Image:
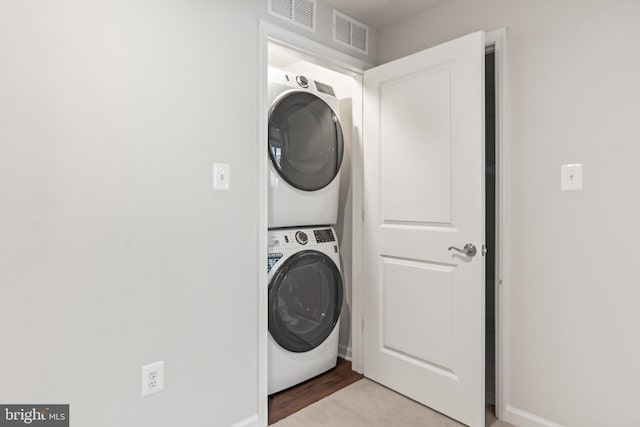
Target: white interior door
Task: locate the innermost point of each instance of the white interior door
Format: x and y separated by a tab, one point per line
424	192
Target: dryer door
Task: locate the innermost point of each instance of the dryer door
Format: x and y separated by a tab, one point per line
305	141
305	299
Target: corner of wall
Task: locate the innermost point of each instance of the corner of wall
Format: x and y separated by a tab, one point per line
344	351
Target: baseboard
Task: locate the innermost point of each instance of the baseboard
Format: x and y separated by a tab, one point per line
344	352
251	421
524	419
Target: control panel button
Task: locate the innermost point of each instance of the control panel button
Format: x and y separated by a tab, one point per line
302	81
302	237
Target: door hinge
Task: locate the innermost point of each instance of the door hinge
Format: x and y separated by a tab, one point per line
484	250
362	215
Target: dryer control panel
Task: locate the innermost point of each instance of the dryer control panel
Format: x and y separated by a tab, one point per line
300	81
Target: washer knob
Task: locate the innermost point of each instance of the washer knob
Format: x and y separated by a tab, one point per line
302	237
302	81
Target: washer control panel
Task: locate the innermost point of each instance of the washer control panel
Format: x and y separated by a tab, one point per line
324	235
283	242
295	238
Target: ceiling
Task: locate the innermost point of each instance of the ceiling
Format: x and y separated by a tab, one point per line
380	13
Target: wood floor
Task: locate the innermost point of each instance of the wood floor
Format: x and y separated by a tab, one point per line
293	399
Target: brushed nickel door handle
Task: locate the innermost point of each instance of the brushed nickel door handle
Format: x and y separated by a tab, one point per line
468	250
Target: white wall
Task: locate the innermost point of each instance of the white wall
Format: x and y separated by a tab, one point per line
574	96
114	250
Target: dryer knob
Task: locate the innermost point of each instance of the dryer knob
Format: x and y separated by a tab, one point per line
302	237
302	81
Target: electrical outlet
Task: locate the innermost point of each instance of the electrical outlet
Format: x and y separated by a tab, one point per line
152	378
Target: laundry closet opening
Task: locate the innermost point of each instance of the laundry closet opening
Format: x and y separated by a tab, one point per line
345	87
309	208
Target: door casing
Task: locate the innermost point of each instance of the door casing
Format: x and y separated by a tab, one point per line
329	58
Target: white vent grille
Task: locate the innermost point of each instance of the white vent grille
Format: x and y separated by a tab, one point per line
297	12
282	8
359	37
347	31
342	30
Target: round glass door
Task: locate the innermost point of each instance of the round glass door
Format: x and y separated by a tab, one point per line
305	141
305	299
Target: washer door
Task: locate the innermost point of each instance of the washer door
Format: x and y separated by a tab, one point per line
305	141
305	299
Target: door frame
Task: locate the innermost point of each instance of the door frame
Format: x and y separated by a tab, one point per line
329	58
333	59
497	41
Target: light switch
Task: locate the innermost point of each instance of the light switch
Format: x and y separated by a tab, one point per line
571	177
221	176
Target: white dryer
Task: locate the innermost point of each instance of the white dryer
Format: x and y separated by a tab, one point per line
305	150
305	300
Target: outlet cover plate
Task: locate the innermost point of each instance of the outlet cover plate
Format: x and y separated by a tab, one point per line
152	378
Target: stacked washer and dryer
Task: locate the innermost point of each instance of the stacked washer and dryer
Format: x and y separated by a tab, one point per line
305	280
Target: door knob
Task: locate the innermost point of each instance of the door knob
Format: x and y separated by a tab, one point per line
468	250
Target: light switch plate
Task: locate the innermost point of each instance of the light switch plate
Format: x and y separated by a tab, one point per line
571	177
221	176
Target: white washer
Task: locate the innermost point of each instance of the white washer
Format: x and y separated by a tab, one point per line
305	300
305	151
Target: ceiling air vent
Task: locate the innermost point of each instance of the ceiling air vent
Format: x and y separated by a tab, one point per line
297	12
347	31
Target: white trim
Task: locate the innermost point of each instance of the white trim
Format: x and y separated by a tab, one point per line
522	418
251	421
313	51
328	58
262	225
497	39
357	188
